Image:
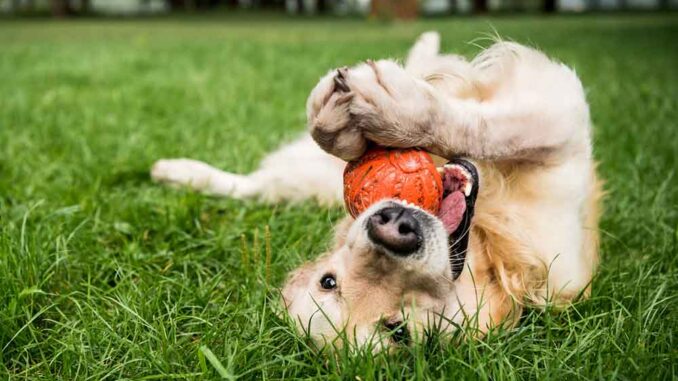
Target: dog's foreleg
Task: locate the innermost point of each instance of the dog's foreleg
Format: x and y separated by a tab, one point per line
511	102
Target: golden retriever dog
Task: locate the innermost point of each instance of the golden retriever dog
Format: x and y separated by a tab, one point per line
519	216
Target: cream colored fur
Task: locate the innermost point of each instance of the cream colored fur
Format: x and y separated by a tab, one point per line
521	117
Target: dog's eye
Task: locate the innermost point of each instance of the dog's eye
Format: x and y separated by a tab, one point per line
328	282
399	332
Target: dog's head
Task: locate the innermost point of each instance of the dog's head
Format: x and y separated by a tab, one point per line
393	273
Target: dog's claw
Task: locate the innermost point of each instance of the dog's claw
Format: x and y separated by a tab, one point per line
340	80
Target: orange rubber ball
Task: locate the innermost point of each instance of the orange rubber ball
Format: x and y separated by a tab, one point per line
405	174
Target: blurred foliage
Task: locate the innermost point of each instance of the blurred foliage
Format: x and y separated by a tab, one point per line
105	275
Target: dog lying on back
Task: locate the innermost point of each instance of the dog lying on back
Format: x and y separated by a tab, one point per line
515	128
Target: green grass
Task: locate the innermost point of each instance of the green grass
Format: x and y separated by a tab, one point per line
104	275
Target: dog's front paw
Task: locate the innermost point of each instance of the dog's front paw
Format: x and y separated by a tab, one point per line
331	119
375	101
182	172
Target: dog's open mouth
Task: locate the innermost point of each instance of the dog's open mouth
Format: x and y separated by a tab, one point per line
460	184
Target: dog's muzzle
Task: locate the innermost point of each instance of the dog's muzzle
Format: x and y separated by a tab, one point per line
399	229
395	228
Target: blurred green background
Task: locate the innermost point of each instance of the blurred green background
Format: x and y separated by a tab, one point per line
104	275
384	9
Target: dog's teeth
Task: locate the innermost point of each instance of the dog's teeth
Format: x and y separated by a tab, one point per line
467	176
467	188
464	172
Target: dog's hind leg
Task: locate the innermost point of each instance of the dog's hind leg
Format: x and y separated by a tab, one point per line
426	63
203	177
422	52
297	171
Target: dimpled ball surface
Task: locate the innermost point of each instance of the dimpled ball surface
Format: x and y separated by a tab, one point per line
405	174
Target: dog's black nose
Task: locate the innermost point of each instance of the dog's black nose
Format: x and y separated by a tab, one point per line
396	229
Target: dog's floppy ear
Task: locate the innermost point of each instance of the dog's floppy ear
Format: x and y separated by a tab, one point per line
340	232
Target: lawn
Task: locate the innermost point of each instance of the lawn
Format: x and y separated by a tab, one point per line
105	275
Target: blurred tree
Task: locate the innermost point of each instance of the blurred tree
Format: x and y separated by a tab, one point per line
549	6
60	8
399	9
453	6
188	5
480	6
322	6
174	5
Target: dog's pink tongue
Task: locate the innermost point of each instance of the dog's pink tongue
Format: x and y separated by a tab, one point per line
452	211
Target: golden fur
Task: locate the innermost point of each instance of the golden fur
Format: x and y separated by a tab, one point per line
521	117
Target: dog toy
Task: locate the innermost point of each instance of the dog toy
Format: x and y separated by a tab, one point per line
405	174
